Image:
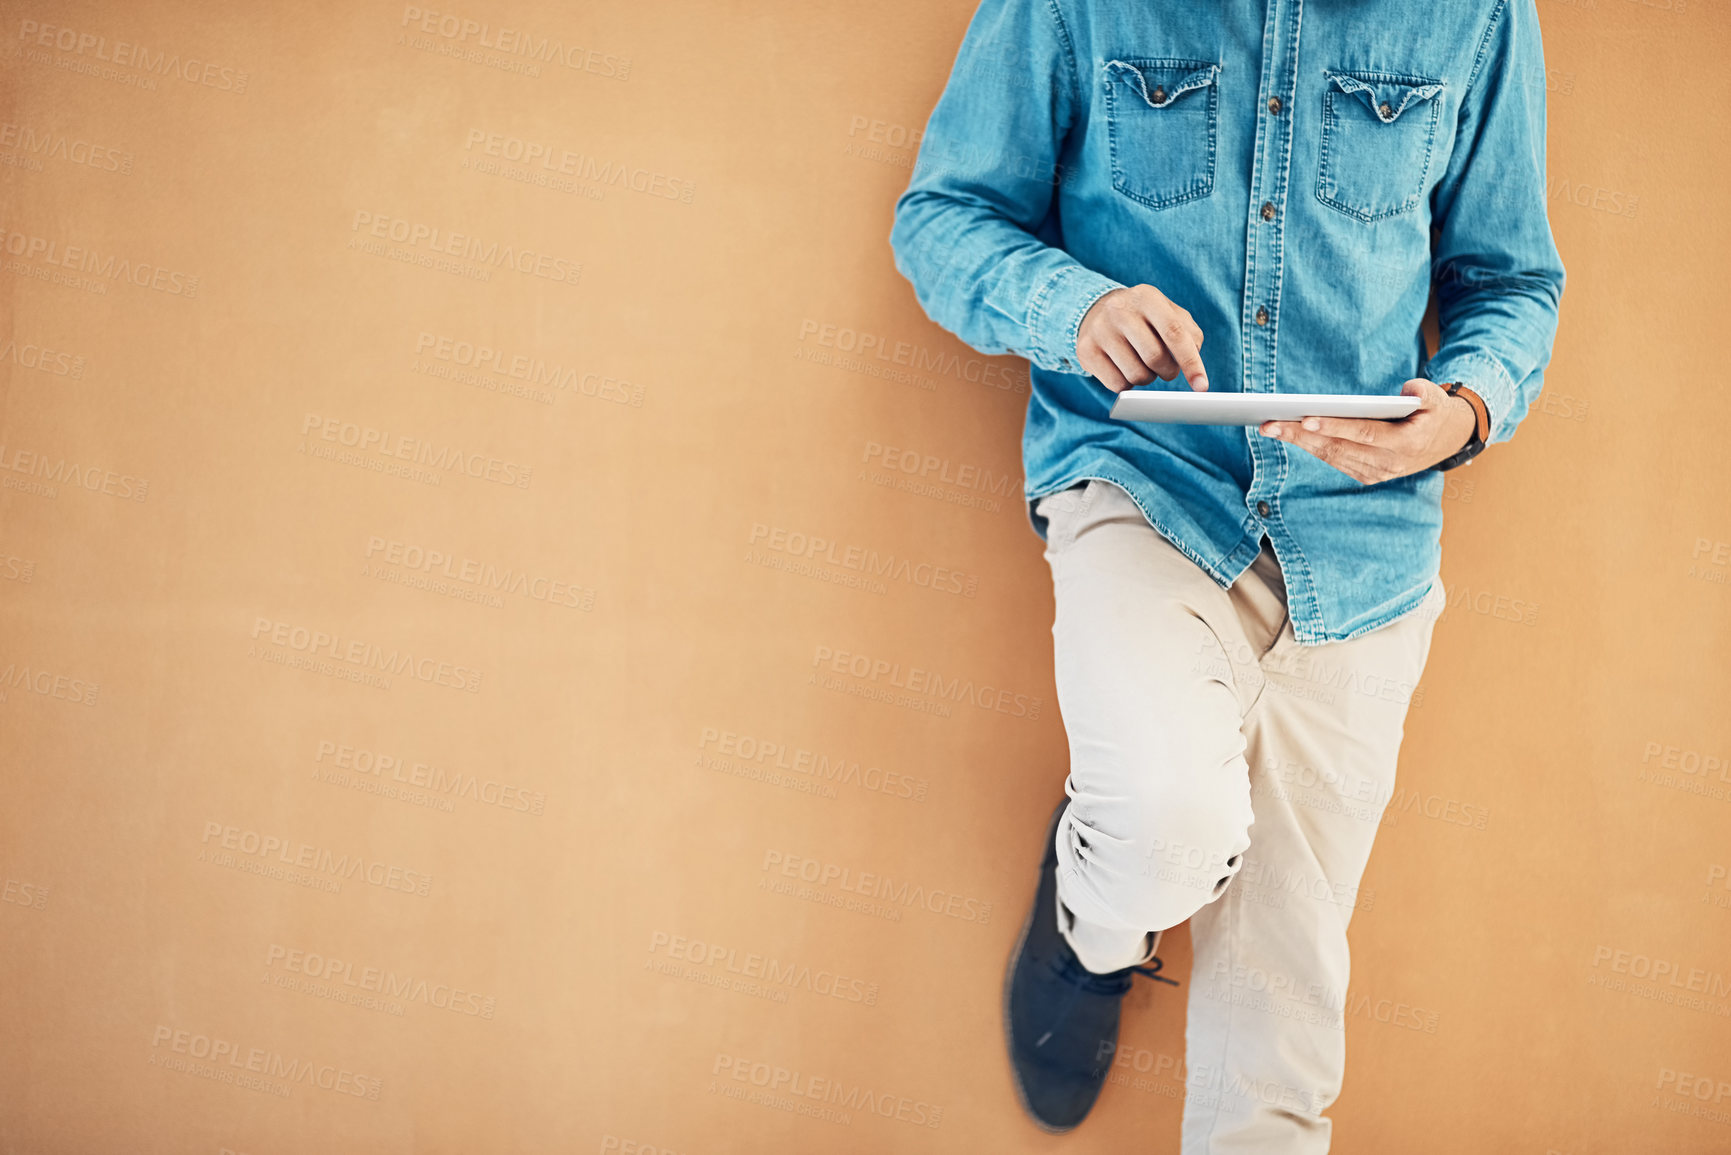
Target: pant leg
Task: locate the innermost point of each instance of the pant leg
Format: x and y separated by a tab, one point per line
1265	1040
1160	808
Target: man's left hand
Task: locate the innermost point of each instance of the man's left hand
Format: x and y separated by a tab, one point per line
1370	451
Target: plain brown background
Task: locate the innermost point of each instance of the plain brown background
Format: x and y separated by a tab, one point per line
169	500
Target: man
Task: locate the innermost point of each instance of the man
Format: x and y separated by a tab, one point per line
1257	198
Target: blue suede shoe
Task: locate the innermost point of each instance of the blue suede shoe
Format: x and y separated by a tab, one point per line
1060	1017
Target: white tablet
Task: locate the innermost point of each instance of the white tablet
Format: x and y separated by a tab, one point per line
1184	407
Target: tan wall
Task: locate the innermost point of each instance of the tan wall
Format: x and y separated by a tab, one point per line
541	809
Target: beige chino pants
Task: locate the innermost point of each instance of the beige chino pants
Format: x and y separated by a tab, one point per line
1224	774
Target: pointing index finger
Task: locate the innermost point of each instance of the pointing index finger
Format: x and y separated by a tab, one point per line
1183	348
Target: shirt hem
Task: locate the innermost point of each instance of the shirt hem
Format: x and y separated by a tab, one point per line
1236	560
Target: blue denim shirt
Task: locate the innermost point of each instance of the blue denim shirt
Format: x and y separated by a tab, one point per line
1299	177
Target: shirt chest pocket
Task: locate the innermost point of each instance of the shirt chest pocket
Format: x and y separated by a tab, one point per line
1160	123
1378	137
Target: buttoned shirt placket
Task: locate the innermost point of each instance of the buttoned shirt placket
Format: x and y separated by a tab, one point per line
1263	254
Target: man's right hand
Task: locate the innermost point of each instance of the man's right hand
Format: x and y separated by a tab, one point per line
1134	335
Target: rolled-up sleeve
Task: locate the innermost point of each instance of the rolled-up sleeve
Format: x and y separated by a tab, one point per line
1495	265
983	184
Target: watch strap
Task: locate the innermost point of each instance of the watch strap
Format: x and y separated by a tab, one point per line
1481	426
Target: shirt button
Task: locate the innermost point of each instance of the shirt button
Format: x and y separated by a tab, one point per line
1262	509
1385	110
1262	314
1160	95
1274	105
1267	210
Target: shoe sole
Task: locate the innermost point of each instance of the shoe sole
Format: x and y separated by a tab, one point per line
1010	974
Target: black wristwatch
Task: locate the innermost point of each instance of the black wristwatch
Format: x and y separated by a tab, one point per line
1481	427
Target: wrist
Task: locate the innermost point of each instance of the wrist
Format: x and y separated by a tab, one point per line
1476	436
1464	423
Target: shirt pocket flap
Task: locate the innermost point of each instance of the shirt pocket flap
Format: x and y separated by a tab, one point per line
1161	82
1386	96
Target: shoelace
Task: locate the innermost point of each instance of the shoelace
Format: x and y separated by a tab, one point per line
1153	972
1070	969
1079	979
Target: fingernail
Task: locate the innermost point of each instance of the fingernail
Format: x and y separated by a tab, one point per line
1311	423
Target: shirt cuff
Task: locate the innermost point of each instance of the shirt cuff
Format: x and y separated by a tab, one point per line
1484	375
1057	312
